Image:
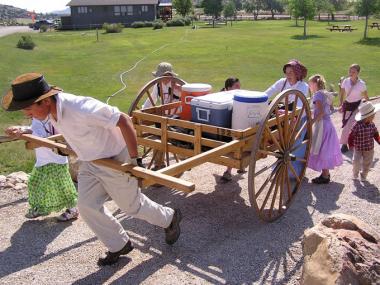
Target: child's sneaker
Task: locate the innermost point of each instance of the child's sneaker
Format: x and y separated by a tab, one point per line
226	177
68	215
363	177
33	214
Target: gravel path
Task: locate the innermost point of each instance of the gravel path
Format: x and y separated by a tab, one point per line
4	31
222	242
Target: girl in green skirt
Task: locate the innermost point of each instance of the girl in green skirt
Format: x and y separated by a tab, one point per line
50	187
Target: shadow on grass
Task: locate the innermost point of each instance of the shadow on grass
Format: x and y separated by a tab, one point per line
370	42
301	37
209	26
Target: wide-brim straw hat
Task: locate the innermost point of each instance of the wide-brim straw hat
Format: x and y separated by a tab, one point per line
164	68
27	89
366	110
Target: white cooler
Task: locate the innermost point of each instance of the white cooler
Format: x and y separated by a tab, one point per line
249	108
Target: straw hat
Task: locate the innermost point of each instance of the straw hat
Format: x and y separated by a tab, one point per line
26	90
164	68
366	110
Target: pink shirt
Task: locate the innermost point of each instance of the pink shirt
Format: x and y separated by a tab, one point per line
356	90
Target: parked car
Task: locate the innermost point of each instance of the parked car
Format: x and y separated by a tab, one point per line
37	25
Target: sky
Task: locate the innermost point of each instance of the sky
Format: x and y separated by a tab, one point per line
41	6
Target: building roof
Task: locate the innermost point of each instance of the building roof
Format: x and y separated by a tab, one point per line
110	2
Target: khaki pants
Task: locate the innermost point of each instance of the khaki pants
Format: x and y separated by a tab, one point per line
97	184
362	161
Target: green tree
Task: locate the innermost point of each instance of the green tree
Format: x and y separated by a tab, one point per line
302	9
338	5
367	8
212	8
274	6
183	7
229	10
323	6
253	6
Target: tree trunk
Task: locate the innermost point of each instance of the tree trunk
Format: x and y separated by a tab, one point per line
304	27
296	21
366	27
272	11
213	22
319	16
332	16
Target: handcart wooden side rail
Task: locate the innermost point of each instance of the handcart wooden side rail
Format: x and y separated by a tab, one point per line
139	172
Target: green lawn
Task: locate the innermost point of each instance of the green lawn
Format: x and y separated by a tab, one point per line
252	51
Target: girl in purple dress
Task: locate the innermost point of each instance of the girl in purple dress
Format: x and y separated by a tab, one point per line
325	151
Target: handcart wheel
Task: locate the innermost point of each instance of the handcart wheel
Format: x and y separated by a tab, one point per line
280	154
151	157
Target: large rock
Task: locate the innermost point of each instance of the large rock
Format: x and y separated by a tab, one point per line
341	250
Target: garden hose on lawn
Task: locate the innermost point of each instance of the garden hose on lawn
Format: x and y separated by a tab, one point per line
137	63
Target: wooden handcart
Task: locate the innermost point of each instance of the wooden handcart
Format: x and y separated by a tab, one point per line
276	150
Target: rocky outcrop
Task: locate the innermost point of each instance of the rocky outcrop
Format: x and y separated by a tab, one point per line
16	181
341	250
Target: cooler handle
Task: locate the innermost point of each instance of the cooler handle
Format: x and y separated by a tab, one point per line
187	101
199	114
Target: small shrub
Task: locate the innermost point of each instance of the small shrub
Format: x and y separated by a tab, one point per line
138	24
43	28
176	22
158	25
26	42
113	28
187	21
148	24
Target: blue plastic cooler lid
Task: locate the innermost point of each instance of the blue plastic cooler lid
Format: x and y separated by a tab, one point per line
246	96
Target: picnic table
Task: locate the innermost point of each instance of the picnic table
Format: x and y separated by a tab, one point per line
343	28
375	25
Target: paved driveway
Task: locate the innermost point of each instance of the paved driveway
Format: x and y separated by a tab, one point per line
4	31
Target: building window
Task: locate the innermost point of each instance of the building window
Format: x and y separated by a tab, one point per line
82	10
116	10
130	10
144	8
120	10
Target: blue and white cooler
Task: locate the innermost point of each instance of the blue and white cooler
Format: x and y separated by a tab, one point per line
249	108
213	109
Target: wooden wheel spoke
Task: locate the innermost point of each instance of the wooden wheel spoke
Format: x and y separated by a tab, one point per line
288	183
175	157
286	122
300	132
294	172
279	178
274	181
150	98
153	158
265	168
280	130
275	141
267	180
271	153
294	110
299	145
281	189
296	125
146	152
161	93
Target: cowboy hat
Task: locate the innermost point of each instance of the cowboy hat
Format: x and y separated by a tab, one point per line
164	68
26	90
366	110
